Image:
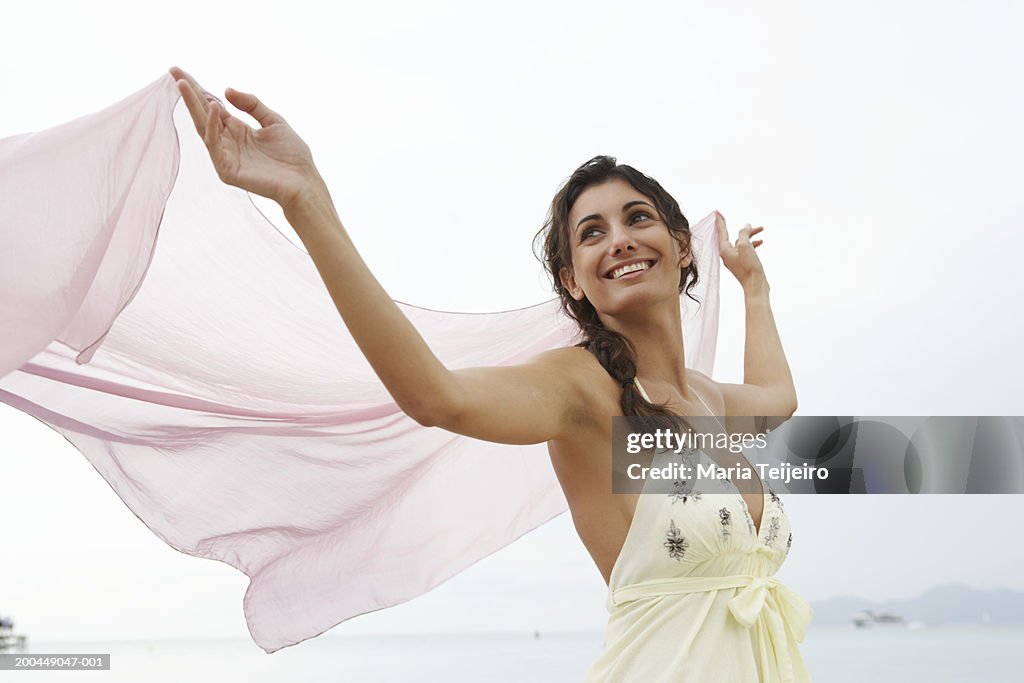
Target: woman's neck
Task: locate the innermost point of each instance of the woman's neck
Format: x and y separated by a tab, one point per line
657	339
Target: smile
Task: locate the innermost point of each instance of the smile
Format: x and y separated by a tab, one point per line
634	267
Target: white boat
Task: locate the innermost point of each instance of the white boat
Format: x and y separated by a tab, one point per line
871	619
9	640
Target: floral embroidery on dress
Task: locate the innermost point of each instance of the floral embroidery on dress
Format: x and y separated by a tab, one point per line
683	491
789	543
776	499
725	518
675	542
773	532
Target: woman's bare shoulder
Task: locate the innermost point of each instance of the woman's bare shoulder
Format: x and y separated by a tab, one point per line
575	361
708	389
565	353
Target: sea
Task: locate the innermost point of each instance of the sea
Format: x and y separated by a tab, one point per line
943	654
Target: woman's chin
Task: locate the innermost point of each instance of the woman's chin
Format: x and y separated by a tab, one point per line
635	300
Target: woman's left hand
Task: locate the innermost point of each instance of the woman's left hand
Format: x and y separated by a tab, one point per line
271	161
741	258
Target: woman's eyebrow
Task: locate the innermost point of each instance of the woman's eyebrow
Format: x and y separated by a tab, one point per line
628	205
625	207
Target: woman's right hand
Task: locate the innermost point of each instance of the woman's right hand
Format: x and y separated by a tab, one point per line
271	161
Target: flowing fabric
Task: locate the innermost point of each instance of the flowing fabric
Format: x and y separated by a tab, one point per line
155	318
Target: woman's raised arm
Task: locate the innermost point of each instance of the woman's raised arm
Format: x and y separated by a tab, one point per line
528	403
767	388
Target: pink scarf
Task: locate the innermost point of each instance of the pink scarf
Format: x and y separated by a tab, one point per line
160	323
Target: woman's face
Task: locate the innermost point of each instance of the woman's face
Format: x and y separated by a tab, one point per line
623	254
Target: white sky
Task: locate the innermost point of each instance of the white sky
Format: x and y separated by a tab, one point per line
878	143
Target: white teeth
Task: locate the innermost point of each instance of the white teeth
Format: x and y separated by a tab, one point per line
631	268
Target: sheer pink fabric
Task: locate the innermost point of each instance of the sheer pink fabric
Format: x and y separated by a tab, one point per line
157	320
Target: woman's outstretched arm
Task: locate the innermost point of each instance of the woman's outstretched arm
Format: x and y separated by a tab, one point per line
518	404
528	403
767	388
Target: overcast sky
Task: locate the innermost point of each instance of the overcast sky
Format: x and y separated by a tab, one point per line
878	143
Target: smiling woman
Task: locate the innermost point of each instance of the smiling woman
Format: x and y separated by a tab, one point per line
352	488
605	219
594	252
684	589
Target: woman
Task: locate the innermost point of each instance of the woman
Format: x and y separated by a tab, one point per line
689	593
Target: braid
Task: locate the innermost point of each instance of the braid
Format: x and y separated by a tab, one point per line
616	355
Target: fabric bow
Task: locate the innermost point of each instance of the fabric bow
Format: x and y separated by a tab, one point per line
748	604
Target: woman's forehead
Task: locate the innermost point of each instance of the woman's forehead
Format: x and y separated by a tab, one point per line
607	198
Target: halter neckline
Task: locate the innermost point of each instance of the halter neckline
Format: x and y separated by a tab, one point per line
640	388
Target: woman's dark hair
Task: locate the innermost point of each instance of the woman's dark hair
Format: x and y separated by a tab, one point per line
612	350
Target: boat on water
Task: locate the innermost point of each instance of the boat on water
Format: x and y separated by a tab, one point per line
871	619
9	640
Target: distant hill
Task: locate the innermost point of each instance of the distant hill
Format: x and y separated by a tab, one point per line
949	604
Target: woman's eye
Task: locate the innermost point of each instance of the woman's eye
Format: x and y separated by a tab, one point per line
588	232
640	213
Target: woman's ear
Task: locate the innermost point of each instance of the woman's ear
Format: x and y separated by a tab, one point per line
685	256
569	282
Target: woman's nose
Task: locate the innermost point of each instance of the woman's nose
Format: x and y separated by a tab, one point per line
621	240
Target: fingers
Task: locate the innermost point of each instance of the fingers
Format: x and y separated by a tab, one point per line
182	77
213	127
192	93
744	236
746	233
252	106
723	232
203	94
